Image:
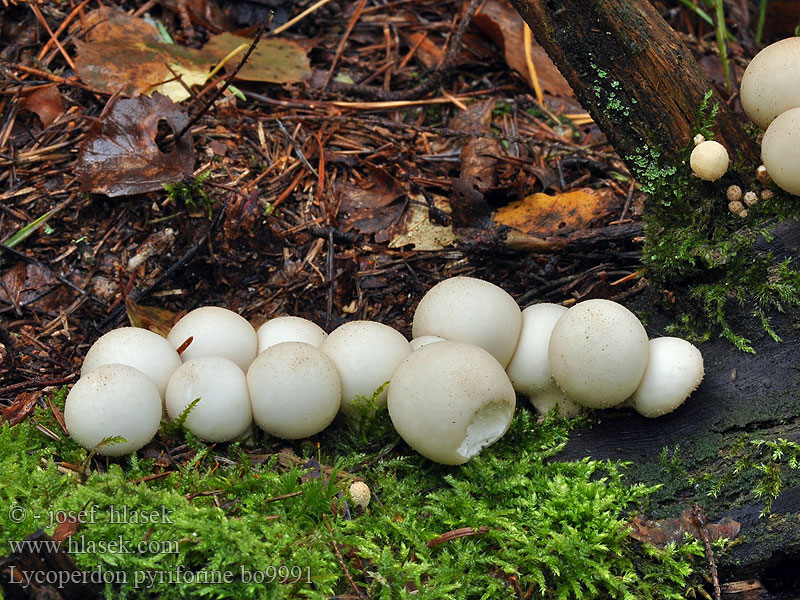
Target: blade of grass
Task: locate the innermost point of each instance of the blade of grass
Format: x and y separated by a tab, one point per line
20	236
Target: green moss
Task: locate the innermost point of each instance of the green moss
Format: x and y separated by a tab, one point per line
233	524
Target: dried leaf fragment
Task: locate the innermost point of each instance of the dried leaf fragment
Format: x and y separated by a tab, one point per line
663	531
120	156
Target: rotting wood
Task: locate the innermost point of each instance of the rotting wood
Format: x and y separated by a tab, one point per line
629	69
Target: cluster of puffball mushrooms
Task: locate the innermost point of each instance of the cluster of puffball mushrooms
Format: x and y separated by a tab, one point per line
770	95
451	389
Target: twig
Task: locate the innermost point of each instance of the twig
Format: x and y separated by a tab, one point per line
699	516
339	556
340	48
299	17
53	37
25	385
458	533
228	80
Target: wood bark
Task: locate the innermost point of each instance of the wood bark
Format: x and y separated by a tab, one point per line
633	74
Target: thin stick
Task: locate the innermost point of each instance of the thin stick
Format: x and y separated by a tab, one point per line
339	556
46	48
340	48
53	37
228	81
527	42
299	17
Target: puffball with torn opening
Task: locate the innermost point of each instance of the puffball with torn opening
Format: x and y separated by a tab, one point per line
215	331
771	83
295	390
289	329
598	353
674	370
366	354
466	309
450	400
779	151
223	411
709	160
139	348
113	400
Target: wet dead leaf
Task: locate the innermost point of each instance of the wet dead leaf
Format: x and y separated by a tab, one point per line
158	320
45	101
504	26
563	213
125	54
418	231
663	531
32	285
274	60
120	156
428	53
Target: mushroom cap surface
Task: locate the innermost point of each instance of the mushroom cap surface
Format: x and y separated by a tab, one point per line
529	369
598	353
295	390
779	151
466	309
113	400
771	82
223	412
215	331
450	400
289	329
709	160
674	370
140	348
366	354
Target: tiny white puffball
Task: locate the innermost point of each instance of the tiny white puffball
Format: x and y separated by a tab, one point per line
295	390
771	82
544	400
424	340
709	160
113	400
466	309
598	353
360	494
139	348
450	400
289	329
223	411
366	354
674	370
529	369
216	332
779	151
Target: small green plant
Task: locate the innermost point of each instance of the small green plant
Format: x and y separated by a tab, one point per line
191	193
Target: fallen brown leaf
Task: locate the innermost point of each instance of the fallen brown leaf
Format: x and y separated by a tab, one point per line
663	531
45	101
560	214
120	156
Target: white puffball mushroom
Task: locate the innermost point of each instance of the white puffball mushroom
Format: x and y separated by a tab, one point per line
598	353
762	175
779	151
295	390
674	370
366	354
709	160
737	208
360	494
529	369
465	309
450	400
424	340
289	329
733	193
113	400
551	397
136	347
215	331
698	139
771	83
223	411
